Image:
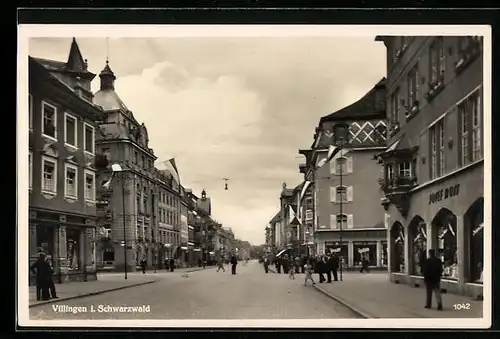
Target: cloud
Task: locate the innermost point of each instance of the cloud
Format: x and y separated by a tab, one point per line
235	108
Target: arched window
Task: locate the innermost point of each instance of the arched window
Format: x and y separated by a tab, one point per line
341	165
341	221
444	227
474	219
397	248
418	244
341	192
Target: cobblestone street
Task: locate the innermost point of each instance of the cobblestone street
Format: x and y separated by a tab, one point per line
208	294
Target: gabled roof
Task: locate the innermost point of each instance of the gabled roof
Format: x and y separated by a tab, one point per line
371	105
276	218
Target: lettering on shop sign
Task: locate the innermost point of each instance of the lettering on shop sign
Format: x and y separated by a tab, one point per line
444	193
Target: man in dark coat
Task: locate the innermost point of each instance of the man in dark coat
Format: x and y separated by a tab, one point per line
321	264
42	272
52	286
144	265
332	266
266	264
172	264
234	262
432	270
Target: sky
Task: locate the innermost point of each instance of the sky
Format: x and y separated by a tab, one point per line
236	108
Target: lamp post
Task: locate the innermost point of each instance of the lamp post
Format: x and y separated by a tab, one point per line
341	133
117	168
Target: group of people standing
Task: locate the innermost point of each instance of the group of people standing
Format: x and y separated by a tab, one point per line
43	271
326	265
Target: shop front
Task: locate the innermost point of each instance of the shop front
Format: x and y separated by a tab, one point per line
368	244
447	216
67	241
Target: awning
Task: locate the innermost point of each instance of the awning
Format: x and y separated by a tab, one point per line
280	253
211	253
184	248
197	250
190	244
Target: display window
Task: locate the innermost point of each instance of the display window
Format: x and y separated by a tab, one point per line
73	248
446	240
365	251
398	248
419	248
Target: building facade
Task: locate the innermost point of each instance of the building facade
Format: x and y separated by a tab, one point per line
342	196
62	180
434	170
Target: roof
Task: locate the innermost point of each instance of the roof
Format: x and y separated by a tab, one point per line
287	192
371	105
109	100
275	218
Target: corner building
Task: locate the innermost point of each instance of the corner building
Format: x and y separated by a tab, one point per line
433	166
62	201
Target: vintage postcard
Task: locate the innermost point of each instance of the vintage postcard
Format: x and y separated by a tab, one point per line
254	176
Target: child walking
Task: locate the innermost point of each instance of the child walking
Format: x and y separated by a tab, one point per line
308	274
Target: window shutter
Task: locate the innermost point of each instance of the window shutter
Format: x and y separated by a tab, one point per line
350	192
349	165
333	194
350	222
333	167
333	221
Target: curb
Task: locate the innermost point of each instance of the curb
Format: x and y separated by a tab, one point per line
343	302
339	300
90	294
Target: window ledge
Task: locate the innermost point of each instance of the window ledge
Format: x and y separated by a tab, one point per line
90	202
412	112
71	199
70	147
49	194
45	136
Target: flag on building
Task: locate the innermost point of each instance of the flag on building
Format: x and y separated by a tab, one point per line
332	151
304	189
107	184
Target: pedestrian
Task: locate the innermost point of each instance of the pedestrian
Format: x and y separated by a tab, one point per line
333	266
291	273
52	286
321	269
364	265
278	265
266	265
144	265
199	262
234	262
308	270
432	270
42	271
172	264
166	265
220	265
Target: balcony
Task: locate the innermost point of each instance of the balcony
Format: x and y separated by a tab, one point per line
397	192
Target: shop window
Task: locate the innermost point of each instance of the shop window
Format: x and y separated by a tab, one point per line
397	246
475	222
418	233
73	248
383	257
108	255
45	239
365	251
341	251
445	233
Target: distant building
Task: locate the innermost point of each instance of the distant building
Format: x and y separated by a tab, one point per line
434	163
62	180
343	196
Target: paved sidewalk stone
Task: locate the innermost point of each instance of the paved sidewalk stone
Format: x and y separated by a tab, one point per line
372	295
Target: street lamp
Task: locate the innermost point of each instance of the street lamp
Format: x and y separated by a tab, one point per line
117	168
341	134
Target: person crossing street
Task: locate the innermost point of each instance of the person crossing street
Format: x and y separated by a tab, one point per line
220	265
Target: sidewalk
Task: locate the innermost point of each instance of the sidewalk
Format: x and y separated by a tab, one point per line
106	282
373	296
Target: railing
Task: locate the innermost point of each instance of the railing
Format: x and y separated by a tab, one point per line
397	182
